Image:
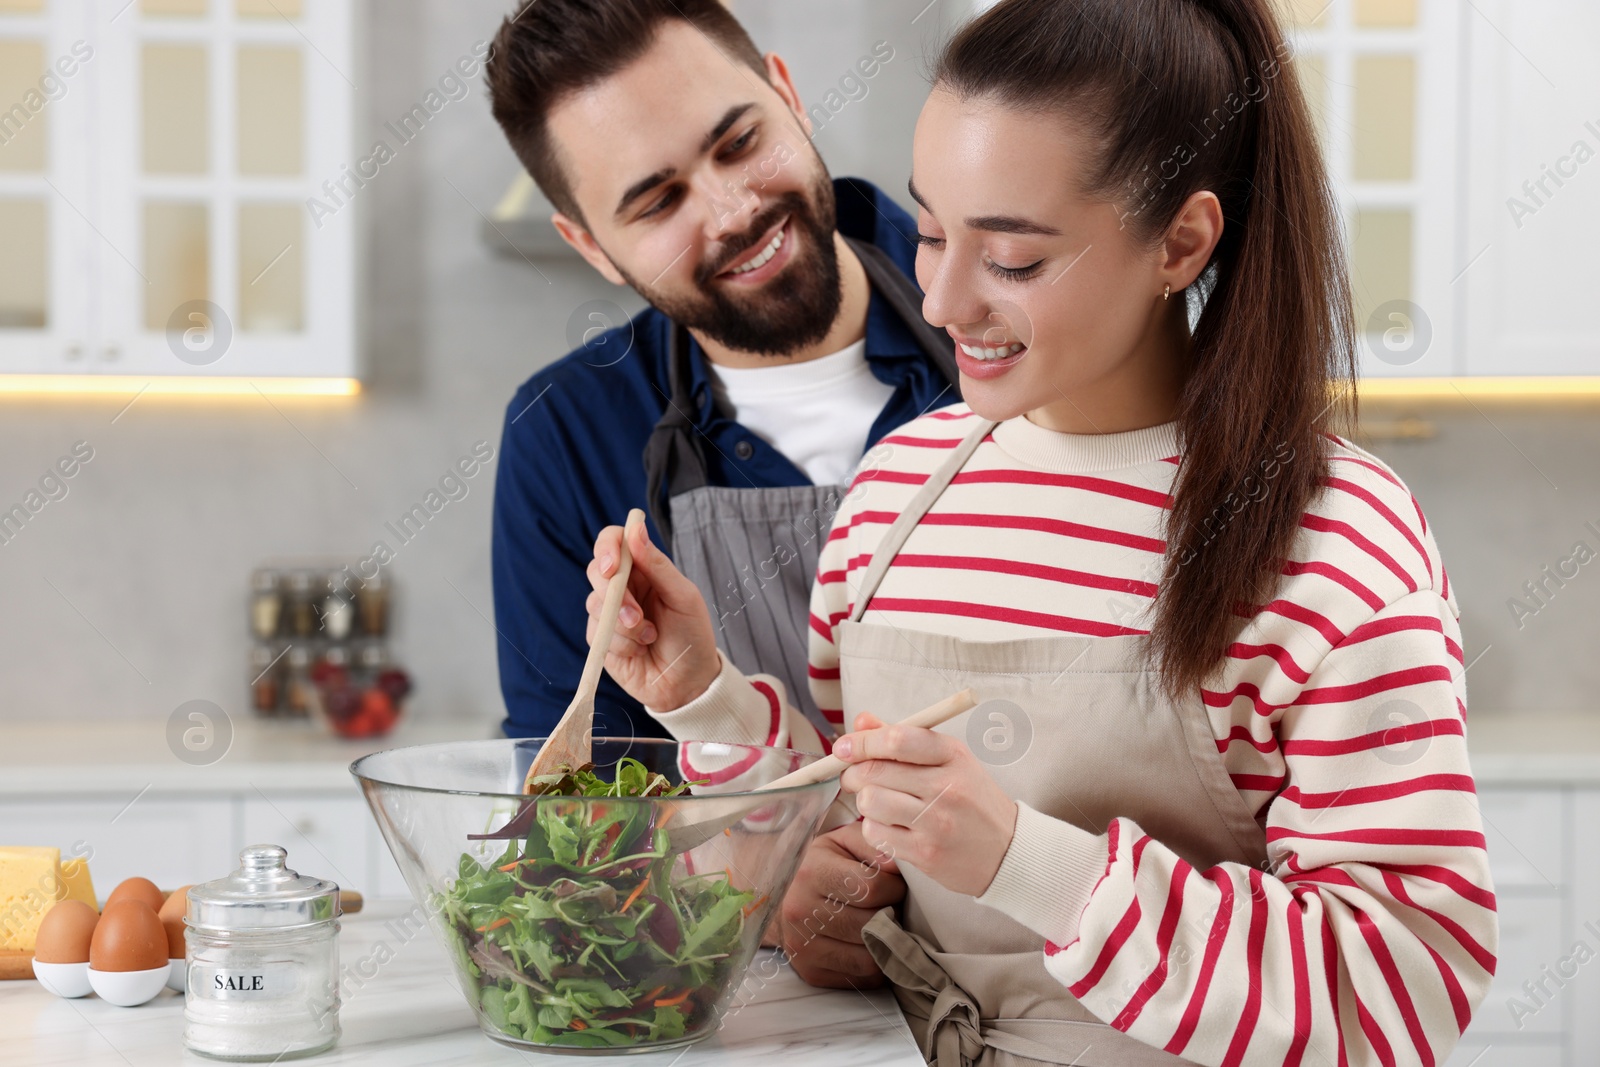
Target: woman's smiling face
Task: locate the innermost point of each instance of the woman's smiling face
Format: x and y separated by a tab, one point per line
1055	306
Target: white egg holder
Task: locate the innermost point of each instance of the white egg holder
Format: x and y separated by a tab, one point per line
126	989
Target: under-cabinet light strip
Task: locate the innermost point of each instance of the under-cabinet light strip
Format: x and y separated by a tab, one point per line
1531	387
1376	388
92	384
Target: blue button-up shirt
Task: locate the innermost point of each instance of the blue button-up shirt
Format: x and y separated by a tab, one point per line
571	462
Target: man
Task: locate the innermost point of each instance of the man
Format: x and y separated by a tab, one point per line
679	163
784	338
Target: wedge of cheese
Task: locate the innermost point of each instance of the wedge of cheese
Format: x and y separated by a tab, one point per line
76	882
32	879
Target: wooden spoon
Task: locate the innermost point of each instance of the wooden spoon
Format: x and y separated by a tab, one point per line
571	743
831	766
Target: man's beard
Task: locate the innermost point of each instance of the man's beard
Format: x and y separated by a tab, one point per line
794	309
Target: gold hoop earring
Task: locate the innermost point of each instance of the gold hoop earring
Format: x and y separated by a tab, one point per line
1166	291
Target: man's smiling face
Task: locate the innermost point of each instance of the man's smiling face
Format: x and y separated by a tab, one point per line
700	188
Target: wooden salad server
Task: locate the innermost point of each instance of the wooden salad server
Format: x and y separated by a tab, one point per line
690	835
831	766
571	743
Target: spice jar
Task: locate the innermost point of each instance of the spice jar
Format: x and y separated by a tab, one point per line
372	601
301	610
262	962
297	686
338	617
266	604
264	685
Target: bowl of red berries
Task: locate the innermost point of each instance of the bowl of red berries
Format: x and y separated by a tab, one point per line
359	703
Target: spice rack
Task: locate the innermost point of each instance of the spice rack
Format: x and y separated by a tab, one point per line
320	646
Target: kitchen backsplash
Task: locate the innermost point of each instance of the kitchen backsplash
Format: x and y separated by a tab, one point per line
1512	493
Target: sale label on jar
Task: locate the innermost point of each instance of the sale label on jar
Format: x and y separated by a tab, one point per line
263	982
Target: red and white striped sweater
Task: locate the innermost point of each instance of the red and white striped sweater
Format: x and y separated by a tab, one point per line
1339	714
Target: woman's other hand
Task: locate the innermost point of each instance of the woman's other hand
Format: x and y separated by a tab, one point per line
926	800
663	652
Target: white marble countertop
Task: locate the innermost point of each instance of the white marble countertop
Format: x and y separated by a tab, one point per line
410	1012
115	756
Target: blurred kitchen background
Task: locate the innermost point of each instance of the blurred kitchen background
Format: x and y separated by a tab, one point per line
186	160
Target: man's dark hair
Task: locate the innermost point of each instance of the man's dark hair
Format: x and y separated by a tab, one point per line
550	49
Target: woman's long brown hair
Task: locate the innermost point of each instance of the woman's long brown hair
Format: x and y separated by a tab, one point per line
1182	96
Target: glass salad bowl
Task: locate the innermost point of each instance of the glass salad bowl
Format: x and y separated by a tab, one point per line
596	923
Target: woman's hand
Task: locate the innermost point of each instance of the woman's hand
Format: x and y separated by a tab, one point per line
663	652
927	801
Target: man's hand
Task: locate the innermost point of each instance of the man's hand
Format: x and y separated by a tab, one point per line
663	652
842	882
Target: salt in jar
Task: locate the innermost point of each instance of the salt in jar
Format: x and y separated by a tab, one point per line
263	962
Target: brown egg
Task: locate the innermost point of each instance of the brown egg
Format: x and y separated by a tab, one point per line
129	937
138	889
171	915
65	933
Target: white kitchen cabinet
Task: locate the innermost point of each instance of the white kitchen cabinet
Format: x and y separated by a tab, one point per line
1584	990
1532	936
326	834
164	196
1520	1054
1463	143
1381	81
181	839
387	881
46	96
1547	886
172	841
1526	830
1532	187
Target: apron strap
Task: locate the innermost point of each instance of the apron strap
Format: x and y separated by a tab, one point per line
931	490
949	1024
906	299
673	462
954	1033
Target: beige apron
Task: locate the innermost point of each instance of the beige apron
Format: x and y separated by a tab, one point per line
1104	742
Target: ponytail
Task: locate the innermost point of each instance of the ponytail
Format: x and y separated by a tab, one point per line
1184	96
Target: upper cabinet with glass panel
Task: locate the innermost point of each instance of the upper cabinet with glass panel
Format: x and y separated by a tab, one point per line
44	104
1531	186
160	193
1379	76
1452	275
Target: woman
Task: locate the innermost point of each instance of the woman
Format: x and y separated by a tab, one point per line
1227	815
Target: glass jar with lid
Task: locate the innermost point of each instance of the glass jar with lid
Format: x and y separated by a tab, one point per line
263	962
301	605
264	688
372	604
266	604
297	682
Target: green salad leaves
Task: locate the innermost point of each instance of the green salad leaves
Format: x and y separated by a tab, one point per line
582	933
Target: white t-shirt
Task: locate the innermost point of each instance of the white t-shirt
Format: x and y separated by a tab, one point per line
817	413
